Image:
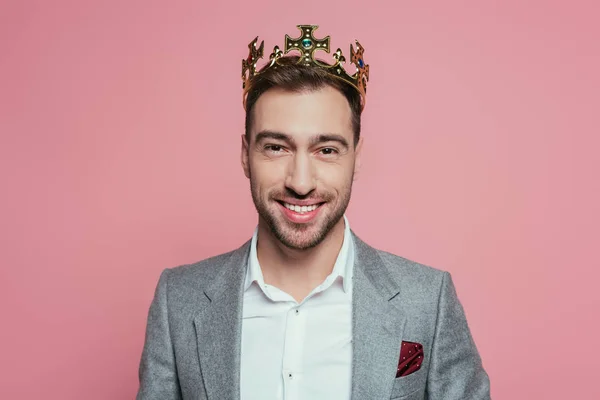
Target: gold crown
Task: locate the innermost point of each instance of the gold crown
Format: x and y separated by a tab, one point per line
307	45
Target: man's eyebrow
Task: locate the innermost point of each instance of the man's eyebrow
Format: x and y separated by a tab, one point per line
262	135
329	137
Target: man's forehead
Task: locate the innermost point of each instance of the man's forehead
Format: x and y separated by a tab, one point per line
303	114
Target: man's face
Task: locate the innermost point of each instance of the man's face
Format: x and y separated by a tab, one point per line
301	161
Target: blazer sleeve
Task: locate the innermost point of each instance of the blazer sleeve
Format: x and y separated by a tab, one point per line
157	371
456	370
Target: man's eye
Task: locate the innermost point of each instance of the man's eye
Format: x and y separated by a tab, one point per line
273	147
328	151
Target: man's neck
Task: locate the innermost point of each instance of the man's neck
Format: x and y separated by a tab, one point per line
297	272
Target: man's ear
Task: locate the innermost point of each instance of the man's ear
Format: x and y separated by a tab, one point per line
358	157
244	157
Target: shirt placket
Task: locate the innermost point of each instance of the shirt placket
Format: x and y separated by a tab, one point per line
293	350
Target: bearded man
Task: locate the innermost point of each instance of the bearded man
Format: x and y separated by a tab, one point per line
305	309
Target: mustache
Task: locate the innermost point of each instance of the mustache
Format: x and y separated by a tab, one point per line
313	195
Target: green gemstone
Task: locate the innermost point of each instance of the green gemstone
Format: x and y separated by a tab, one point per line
307	43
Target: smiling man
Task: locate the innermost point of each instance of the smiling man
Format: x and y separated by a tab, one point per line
305	309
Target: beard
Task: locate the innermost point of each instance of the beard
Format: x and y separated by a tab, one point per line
307	235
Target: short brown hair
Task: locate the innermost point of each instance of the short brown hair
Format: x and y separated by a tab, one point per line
291	76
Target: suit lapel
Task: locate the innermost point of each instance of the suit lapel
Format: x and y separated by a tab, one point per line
218	329
378	324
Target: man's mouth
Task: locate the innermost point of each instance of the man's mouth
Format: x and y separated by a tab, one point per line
301	209
304	211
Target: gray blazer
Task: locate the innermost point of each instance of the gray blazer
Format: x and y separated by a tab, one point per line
193	336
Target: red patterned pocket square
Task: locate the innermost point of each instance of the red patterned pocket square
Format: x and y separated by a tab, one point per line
411	358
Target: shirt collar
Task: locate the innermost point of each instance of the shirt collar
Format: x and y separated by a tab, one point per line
343	267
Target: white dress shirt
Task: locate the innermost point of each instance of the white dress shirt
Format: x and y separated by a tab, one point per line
298	351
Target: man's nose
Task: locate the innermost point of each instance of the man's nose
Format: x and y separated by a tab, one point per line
301	175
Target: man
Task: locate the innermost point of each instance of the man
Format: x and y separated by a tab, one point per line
305	309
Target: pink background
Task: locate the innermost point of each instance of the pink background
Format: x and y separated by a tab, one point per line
119	156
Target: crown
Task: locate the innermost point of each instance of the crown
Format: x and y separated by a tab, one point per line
307	45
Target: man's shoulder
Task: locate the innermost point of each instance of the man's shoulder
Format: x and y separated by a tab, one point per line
417	282
205	269
399	265
413	277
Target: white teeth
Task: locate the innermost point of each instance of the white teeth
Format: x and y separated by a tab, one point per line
300	209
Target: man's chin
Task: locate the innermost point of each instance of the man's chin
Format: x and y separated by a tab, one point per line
299	236
300	244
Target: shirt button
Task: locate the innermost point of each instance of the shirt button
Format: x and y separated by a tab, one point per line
297	311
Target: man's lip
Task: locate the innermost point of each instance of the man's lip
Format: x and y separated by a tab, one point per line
301	203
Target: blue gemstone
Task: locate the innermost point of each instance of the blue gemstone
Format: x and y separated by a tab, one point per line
361	63
307	43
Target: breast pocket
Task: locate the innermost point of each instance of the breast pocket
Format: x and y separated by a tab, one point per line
410	387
